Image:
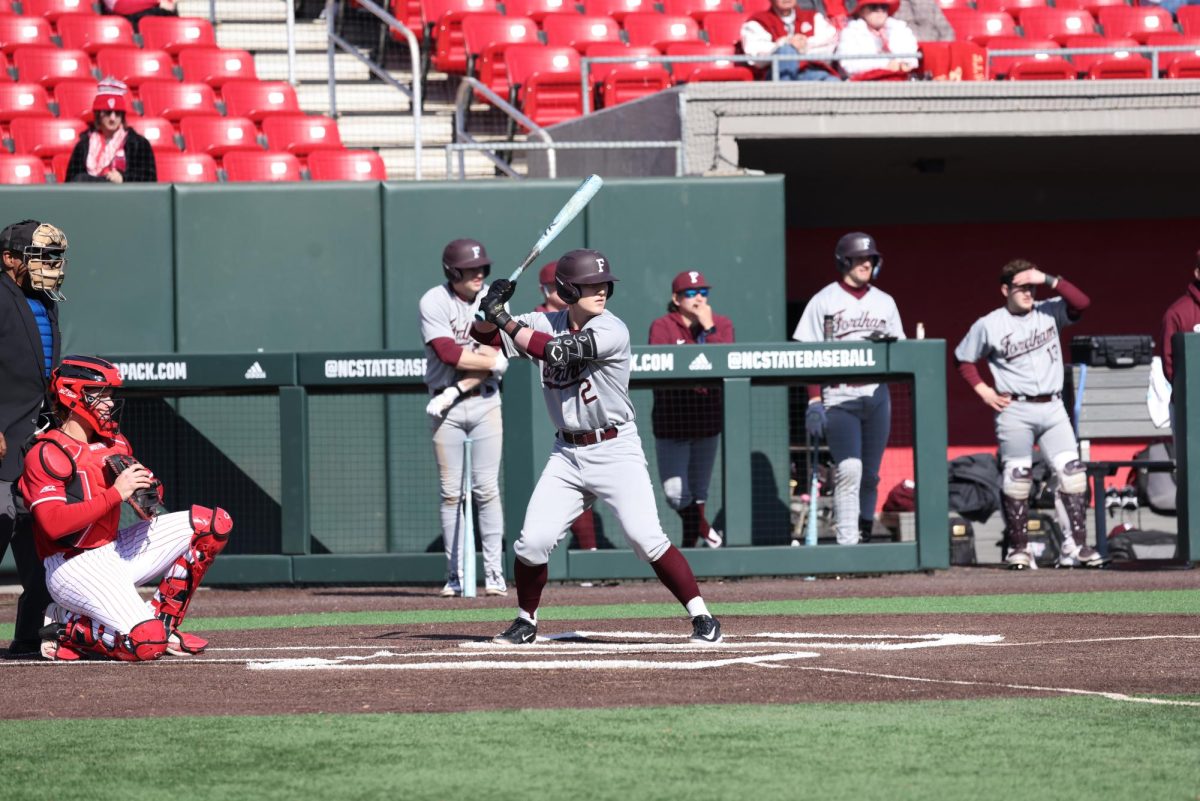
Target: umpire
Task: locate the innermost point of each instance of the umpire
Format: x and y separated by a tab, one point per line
34	259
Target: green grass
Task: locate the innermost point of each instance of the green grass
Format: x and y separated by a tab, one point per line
1163	602
1060	748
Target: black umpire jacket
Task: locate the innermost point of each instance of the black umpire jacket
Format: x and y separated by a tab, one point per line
23	383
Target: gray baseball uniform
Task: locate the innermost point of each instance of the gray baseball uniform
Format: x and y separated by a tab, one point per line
475	416
582	399
859	415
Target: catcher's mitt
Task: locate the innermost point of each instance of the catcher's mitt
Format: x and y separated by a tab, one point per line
144	501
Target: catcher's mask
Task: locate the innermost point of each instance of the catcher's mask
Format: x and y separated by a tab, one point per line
42	248
84	385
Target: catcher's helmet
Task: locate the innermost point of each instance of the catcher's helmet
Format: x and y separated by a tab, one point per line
76	384
579	267
464	254
855	246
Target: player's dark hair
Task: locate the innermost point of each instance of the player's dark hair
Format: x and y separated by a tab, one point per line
1014	268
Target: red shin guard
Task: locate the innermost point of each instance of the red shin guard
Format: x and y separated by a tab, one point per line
531	580
676	574
210	534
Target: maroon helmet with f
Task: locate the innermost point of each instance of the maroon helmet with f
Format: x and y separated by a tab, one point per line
578	268
77	385
464	254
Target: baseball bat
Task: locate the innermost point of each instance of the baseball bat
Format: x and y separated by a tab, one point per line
810	531
468	529
570	210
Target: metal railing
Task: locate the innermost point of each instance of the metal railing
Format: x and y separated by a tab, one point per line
336	42
675	145
1116	50
462	104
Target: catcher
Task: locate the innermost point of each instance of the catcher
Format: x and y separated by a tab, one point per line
76	477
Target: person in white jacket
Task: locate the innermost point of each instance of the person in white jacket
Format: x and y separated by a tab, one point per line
874	31
784	29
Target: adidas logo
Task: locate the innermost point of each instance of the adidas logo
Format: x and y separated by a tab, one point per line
701	362
255	371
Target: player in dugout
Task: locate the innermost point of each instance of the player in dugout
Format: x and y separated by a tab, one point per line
76	477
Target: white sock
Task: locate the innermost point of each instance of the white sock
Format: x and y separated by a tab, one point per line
521	613
696	607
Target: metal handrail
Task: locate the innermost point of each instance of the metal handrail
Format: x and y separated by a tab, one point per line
414	52
462	100
1153	50
291	42
673	144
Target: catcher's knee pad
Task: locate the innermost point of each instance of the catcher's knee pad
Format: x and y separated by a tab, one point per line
1017	481
144	642
1072	474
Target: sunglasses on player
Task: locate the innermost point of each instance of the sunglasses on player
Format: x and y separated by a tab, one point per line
691	293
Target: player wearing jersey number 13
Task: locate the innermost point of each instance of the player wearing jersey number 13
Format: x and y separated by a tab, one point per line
76	477
585	355
1020	342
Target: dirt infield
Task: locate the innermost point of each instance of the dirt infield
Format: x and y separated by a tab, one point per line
603	663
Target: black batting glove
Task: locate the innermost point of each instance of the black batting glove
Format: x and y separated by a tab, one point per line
492	305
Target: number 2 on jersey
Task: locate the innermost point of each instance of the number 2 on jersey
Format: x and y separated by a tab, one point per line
586	392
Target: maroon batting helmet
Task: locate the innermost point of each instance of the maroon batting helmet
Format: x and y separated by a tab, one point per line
577	268
856	246
464	254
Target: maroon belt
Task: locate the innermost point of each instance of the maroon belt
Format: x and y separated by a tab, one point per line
588	437
1037	398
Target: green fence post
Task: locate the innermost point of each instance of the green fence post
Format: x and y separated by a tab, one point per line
1187	447
293	450
736	467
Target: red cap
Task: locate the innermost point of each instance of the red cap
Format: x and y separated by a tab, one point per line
688	279
110	95
546	274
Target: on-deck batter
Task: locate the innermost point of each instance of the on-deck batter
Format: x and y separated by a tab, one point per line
464	384
855	418
1020	341
584	355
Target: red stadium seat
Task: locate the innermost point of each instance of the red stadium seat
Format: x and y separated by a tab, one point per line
1167	59
697	9
74	99
26	100
54	9
449	51
214	66
617	9
948	4
632	82
50	66
659	30
45	137
716	70
217	136
408	12
158	132
547	82
1048	69
1084	62
485	38
185	168
93	33
1056	23
1090	6
980	26
1137	23
259	99
346	165
301	134
21	31
1189	19
578	32
724	27
58	166
244	165
4	74
754	6
1011	7
538	10
174	100
21	169
1186	67
175	33
598	72
1118	67
998	66
134	66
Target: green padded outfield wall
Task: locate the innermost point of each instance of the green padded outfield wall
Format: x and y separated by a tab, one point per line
324	267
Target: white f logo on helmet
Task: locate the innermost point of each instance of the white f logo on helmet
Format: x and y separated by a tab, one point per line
599	265
475	251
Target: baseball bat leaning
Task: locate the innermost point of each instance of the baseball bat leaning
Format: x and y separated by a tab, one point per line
467	578
814	490
570	210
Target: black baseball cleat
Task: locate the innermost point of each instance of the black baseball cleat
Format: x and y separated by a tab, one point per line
521	632
706	629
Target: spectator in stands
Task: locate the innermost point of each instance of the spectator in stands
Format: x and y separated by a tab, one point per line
109	150
926	20
1181	316
874	31
687	421
786	30
134	10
